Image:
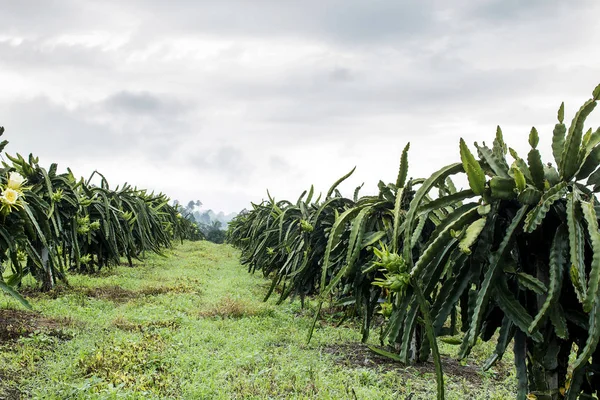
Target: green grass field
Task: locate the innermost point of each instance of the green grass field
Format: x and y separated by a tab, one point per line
192	325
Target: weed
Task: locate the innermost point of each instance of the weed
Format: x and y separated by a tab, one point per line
136	364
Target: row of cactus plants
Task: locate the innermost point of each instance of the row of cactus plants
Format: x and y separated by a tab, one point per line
51	222
514	258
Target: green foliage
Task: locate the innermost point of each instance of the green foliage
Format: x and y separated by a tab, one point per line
402	173
594	272
534	159
51	223
558	137
472	168
213	232
471	235
499	260
132	364
536	216
569	164
217	340
558	263
521	282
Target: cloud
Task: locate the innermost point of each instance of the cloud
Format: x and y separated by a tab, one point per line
279	164
514	11
226	161
140	103
44	127
123	123
222	100
335	20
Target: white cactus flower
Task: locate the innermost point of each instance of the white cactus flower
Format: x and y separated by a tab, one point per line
15	181
10	196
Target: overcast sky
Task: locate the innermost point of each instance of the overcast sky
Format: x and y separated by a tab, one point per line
220	100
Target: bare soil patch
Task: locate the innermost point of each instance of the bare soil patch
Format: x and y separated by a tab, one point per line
118	294
358	355
112	293
229	307
9	393
16	323
125	325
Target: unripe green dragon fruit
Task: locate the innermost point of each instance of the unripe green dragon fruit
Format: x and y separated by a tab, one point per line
95	225
398	283
392	262
386	309
57	196
306	226
83	225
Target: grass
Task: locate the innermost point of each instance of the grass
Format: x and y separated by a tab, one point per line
192	325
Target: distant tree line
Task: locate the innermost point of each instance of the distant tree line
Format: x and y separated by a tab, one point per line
212	225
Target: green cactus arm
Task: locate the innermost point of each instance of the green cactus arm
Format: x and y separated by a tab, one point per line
536	167
338	182
372	238
570	155
593	336
356	234
445	201
14	294
471	235
396	323
301	197
408	331
403	171
530	195
471	297
357	191
535	217
499	146
384	353
590	162
494	159
514	310
588	142
487	285
557	317
530	282
471	166
324	206
411	215
576	245
558	140
519	162
520	353
419	229
589	215
558	263
281	218
334	238
442	237
505	335
577	379
311	192
397	209
503	188
519	177
594	179
450	185
424	306
450	293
